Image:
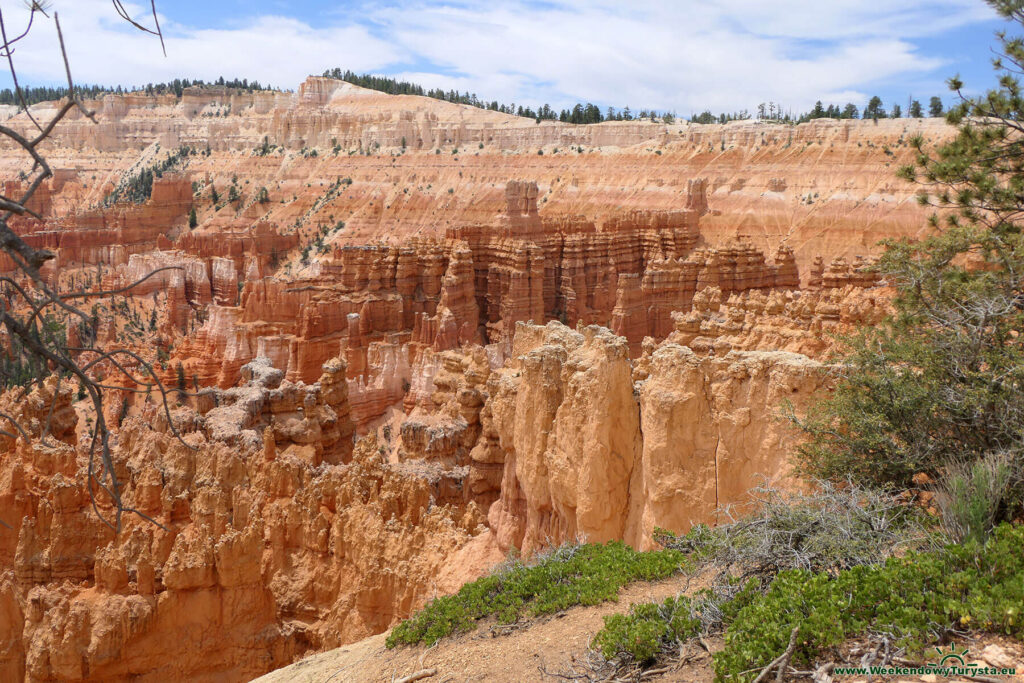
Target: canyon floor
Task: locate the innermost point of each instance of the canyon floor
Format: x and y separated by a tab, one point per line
411	337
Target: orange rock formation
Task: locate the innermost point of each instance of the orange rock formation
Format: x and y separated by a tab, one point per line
259	553
825	186
366	264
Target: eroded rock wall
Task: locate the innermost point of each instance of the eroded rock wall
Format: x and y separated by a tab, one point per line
588	453
257	553
826	186
712	431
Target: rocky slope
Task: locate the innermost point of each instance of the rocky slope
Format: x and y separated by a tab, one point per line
419	166
416	336
255	553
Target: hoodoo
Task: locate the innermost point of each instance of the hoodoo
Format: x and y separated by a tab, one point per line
359	349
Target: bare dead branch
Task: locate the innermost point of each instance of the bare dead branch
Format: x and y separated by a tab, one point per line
782	661
122	290
67	70
127	17
24	305
17	426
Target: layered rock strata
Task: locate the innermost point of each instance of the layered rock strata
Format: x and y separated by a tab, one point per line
258	551
826	186
630	273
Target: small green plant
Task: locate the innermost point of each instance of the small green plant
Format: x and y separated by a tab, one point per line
971	495
264	149
915	597
641	634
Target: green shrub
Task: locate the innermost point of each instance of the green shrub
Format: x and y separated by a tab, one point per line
941	378
568	576
643	632
913	598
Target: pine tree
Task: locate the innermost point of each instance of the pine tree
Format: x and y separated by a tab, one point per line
897	112
935	107
193	220
915	110
940	381
849	111
874	109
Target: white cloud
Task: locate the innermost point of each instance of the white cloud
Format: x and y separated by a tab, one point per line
661	55
851	19
103	49
683	56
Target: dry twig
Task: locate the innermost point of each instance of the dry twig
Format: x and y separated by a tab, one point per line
423	673
36	296
782	661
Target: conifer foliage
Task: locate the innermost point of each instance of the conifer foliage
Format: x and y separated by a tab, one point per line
940	383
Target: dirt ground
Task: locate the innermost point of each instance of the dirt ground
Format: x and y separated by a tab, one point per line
492	654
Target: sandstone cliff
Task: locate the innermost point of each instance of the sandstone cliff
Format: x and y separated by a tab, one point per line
825	186
255	555
411	343
586	452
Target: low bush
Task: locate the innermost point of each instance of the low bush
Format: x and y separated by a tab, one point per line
568	576
915	599
647	628
828	529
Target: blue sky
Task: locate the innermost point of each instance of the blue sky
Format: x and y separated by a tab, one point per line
683	55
